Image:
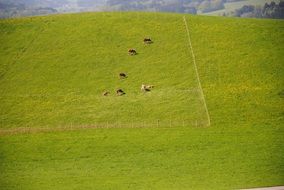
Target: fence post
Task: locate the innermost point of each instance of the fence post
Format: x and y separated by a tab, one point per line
158	123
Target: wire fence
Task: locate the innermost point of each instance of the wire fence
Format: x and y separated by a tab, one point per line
156	124
105	125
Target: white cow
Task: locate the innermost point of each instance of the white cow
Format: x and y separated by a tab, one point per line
146	87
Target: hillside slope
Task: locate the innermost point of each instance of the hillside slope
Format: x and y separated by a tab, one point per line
54	69
64	65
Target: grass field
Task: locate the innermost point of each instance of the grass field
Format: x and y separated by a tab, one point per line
65	69
54	69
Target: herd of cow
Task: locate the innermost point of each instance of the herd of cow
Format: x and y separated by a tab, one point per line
144	88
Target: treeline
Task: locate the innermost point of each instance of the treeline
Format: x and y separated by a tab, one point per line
151	5
181	6
208	6
18	10
269	10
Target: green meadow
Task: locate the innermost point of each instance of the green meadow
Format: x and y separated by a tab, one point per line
65	63
54	69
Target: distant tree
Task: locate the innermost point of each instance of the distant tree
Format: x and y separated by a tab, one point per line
271	10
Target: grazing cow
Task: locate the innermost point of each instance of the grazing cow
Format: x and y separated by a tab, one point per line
120	92
146	88
132	52
143	87
147	41
106	93
122	75
149	86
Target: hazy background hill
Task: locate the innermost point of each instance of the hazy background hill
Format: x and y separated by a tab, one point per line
15	8
239	8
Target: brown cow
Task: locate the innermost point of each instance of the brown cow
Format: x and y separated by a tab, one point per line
120	92
132	52
106	93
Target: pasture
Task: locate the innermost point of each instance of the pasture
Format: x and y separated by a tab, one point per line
54	70
63	70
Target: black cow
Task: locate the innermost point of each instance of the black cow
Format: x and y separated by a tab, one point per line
147	41
122	75
120	92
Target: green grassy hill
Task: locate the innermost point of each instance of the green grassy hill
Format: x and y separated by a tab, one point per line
54	69
64	65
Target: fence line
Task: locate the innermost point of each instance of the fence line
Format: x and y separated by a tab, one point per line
196	70
106	125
